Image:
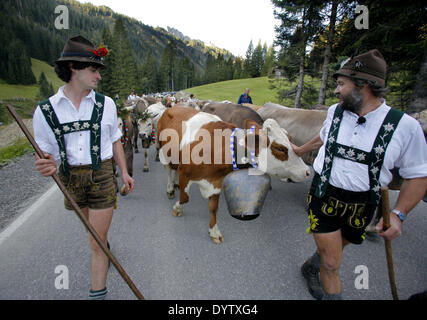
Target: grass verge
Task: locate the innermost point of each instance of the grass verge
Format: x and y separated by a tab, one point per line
20	147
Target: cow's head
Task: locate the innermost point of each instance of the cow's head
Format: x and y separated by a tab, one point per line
145	129
275	154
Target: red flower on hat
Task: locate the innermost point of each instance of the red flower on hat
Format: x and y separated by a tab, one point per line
100	52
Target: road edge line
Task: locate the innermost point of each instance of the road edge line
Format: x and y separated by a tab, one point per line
6	233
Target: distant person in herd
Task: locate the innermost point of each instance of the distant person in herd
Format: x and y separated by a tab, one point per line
132	95
361	141
245	97
78	127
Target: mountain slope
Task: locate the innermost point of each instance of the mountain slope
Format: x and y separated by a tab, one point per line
8	91
33	23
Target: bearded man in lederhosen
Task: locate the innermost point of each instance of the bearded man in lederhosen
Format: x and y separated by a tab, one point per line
78	128
361	141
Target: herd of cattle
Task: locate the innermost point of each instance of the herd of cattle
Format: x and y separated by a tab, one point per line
263	131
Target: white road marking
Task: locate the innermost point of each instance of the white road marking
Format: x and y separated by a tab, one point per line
37	206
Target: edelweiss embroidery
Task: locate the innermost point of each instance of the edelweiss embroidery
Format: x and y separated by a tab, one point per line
93	125
373	159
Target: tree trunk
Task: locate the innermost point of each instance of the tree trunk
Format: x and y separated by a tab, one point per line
301	79
300	85
418	100
20	9
325	68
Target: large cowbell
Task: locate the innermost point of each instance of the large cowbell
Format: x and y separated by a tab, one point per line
245	193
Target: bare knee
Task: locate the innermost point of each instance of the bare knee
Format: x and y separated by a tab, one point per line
330	262
95	248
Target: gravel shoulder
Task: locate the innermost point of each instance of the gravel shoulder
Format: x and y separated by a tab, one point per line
20	183
20	186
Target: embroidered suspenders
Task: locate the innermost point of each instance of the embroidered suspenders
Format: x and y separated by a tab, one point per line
374	159
60	129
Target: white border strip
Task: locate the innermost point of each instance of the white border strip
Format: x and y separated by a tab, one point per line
5	234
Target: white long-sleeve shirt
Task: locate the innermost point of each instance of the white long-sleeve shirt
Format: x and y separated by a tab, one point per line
407	149
77	143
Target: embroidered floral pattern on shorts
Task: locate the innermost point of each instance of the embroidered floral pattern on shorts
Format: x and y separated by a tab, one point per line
313	222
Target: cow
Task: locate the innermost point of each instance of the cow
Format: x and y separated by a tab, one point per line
233	113
252	106
140	105
169	101
202	103
147	124
183	131
151	100
302	125
126	126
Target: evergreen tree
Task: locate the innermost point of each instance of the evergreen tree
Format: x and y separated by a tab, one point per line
229	65
247	66
149	72
18	70
122	60
257	61
398	31
167	66
238	68
45	88
210	70
300	23
163	74
270	61
106	85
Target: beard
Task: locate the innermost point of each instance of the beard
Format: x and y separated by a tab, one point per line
353	101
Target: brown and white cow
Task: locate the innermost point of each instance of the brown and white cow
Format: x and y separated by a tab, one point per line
126	126
147	125
197	144
140	105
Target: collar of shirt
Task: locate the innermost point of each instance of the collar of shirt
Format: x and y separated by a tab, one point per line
370	115
362	136
65	109
56	99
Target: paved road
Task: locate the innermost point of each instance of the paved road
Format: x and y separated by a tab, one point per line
174	258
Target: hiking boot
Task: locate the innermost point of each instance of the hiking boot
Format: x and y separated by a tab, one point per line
311	273
333	296
422	296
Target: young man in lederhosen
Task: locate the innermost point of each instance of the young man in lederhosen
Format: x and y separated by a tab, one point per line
78	128
361	141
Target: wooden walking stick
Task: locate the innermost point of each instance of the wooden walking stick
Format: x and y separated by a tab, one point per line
77	208
385	210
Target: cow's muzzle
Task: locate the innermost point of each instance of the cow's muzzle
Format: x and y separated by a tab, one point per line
146	140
